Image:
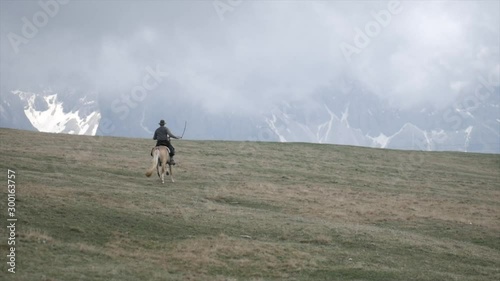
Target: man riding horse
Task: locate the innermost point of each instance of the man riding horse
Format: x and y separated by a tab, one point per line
162	136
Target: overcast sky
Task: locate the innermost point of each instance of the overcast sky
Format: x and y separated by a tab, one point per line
237	54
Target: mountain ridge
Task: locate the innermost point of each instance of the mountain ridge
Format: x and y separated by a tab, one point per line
350	116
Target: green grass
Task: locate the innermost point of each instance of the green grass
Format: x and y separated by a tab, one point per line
248	211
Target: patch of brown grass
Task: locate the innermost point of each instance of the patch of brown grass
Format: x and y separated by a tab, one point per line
340	203
239	253
35	235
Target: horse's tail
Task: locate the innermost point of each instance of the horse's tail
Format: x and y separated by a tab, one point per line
156	155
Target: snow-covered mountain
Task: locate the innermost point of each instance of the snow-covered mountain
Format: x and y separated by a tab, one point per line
47	112
356	117
346	115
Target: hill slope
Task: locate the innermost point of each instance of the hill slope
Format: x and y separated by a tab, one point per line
248	211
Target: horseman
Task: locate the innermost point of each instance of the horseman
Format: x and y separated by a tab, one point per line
162	136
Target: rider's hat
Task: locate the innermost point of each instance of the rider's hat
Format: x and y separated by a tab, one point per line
162	122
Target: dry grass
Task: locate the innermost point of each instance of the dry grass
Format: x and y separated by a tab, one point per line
250	211
35	235
227	253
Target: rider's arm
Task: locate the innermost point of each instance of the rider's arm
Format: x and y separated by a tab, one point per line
171	135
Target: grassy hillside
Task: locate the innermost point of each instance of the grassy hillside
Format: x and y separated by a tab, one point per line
248	211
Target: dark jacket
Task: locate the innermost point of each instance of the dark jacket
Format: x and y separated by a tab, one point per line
163	134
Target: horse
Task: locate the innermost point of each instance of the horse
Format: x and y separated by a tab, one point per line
161	158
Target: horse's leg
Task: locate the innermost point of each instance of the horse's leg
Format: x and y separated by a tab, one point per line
163	167
162	171
162	174
171	174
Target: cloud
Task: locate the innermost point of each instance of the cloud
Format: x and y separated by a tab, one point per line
428	48
262	52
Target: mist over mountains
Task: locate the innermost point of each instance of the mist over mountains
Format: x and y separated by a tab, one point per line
342	113
421	75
